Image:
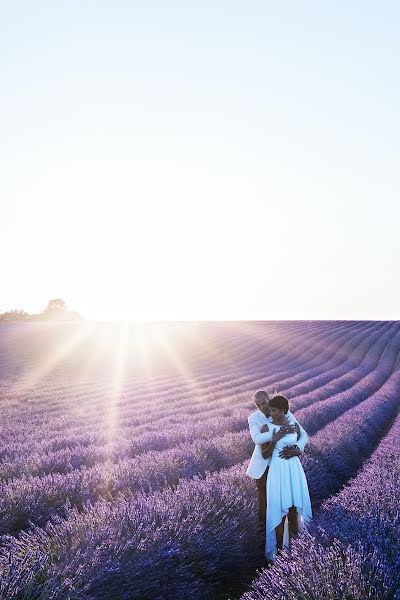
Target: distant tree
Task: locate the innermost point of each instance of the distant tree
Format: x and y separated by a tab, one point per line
56	306
14	315
57	310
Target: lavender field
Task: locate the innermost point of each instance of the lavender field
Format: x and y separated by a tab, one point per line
123	452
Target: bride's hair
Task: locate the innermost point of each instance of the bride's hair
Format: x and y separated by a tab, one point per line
280	402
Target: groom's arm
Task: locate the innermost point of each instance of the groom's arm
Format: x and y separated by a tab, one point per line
256	435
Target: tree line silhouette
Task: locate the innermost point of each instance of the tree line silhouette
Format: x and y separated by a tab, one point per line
56	310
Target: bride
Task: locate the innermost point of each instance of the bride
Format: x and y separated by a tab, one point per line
288	499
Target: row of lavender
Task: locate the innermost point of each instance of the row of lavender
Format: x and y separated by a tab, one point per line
35	499
199	540
33	348
84	445
90	447
132	419
49	399
151	391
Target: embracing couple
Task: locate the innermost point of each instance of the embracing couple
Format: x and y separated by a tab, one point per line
284	505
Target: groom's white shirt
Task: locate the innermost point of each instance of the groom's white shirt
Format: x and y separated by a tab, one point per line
256	420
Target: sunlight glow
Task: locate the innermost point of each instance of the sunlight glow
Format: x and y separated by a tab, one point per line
120	346
55	358
102	342
168	347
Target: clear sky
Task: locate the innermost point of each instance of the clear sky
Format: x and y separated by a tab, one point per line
201	160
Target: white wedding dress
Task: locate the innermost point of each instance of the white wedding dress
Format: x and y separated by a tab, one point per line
286	487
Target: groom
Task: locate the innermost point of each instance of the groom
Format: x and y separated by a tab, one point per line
262	437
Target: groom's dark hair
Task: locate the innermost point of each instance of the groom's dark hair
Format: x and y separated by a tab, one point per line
280	402
260	395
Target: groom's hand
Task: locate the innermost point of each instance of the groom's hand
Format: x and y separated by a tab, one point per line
289	451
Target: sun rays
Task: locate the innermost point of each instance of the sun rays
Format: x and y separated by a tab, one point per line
111	409
167	346
102	336
121	356
67	347
125	350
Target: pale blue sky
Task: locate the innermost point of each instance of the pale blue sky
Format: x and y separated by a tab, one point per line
201	160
